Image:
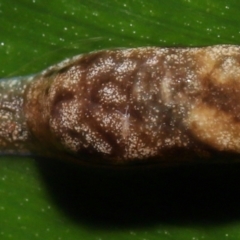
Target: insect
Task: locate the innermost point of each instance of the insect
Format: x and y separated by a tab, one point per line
181	105
125	122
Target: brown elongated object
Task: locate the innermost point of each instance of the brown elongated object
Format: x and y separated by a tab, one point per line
141	105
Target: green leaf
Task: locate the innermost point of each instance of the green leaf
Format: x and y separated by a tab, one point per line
42	199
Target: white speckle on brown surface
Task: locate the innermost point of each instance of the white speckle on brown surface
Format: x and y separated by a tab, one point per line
143	104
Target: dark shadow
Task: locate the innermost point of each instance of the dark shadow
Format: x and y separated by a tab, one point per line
105	197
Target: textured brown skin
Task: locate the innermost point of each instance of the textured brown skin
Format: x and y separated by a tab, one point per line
143	104
137	105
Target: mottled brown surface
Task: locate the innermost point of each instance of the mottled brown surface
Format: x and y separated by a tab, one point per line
166	104
14	134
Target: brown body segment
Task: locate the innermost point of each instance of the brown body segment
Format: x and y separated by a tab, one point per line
136	105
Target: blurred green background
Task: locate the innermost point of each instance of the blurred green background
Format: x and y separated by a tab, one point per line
41	199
